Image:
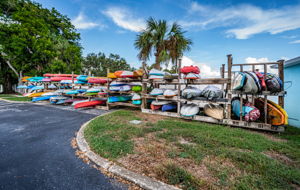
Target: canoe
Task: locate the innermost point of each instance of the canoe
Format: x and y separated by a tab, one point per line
275	116
286	119
190	69
214	111
169	107
238	81
189	110
36	94
89	103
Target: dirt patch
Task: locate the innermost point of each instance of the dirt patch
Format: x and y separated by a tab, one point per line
186	142
150	117
280	157
224	169
152	153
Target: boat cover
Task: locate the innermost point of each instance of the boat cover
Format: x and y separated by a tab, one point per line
212	92
190	92
189	110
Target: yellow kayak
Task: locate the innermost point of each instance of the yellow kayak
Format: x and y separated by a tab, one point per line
36	94
282	111
24	79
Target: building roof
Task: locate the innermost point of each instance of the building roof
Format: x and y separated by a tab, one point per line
292	62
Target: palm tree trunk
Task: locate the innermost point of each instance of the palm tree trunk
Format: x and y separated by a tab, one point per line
157	63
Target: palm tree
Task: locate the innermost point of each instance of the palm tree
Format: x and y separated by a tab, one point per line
164	43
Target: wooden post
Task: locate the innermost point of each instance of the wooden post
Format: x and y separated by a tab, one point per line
144	87
265	97
72	80
107	86
179	86
229	65
281	76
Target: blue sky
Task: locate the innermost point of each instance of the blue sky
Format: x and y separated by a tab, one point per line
250	30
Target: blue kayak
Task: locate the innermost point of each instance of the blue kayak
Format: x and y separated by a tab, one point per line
41	98
169	107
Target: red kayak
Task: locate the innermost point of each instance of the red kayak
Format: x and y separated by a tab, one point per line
190	69
89	104
56	79
58	75
97	80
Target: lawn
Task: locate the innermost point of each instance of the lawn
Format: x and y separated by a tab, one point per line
14	97
195	155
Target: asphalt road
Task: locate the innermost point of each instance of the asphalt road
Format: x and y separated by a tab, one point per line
35	151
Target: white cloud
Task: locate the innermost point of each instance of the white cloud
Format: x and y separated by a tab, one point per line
80	22
295	42
261	67
205	70
124	19
245	20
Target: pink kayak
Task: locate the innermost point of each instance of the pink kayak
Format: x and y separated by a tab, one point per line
95	80
57	79
58	75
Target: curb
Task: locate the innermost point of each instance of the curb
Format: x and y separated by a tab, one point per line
11	101
138	179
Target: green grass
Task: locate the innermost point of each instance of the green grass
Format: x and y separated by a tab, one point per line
13	97
250	168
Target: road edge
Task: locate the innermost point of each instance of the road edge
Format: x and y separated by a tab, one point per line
138	179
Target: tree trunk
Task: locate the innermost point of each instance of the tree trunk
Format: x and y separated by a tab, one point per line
157	63
7	85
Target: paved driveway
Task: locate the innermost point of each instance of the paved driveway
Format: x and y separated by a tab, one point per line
35	151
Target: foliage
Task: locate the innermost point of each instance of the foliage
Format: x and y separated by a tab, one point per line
35	40
166	43
98	64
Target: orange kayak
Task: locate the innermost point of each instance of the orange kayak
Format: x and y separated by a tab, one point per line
275	116
37	94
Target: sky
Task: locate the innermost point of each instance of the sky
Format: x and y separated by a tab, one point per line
252	31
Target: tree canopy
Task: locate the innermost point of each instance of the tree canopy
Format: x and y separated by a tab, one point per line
166	43
35	40
97	64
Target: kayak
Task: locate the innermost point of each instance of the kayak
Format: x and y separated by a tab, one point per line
214	111
35	79
58	75
286	119
97	80
36	94
239	80
46	80
73	100
89	103
112	99
58	79
189	110
155	107
169	107
192	76
190	69
82	78
41	98
127	74
275	116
